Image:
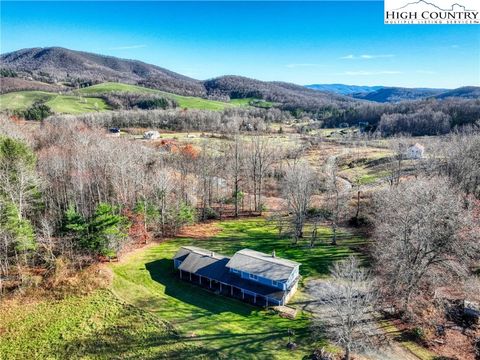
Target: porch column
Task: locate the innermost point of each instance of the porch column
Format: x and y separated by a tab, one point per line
220	287
254	298
210	283
231	290
190	276
200	279
243	295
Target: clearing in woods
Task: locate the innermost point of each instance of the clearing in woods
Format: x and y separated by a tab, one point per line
148	313
223	327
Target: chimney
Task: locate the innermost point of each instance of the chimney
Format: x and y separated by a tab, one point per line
273	253
212	254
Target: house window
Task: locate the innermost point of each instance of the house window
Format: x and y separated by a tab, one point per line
253	277
235	271
274	283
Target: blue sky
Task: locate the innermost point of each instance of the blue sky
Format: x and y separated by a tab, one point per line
300	42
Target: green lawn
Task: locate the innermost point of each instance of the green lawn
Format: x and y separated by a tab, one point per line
189	102
252	102
96	326
228	328
66	104
150	314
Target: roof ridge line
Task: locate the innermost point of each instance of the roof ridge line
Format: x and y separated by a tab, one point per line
260	258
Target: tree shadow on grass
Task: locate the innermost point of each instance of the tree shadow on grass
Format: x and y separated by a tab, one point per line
133	335
162	272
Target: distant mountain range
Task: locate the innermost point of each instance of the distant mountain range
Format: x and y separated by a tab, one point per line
59	67
395	94
344	89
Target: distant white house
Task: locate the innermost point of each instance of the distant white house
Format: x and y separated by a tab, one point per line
415	151
151	135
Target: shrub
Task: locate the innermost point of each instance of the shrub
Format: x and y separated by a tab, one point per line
210	214
38	111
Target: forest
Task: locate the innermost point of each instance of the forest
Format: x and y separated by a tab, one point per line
73	197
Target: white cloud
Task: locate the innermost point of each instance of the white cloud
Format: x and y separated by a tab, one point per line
292	66
369	73
366	56
128	47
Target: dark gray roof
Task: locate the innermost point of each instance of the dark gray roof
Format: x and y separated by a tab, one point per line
214	267
185	250
261	264
204	265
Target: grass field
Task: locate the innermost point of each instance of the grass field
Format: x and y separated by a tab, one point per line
150	314
189	102
96	326
66	104
224	327
72	104
252	102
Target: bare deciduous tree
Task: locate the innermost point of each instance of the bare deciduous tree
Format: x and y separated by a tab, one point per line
350	298
261	156
298	188
338	195
423	237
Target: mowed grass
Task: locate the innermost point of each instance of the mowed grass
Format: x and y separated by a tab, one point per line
189	102
227	328
96	326
65	104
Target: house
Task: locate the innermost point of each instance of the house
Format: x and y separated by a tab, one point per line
415	151
253	276
151	135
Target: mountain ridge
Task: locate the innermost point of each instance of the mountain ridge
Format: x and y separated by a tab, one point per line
64	67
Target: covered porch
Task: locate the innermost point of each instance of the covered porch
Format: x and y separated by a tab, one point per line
256	295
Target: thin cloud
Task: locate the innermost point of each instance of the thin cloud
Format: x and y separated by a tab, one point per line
366	56
128	47
292	66
369	73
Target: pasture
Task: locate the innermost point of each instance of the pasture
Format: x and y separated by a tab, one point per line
65	104
189	102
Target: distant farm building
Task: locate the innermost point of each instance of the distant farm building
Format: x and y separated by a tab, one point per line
249	275
415	151
151	135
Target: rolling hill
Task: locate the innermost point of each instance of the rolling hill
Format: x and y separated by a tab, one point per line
62	66
396	94
72	77
59	103
466	92
55	64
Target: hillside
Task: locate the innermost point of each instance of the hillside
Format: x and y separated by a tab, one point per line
56	64
290	96
396	94
189	102
10	84
65	104
76	69
466	92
